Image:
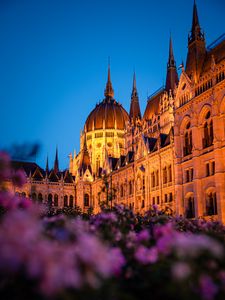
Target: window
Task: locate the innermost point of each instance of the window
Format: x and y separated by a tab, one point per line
157	199
165	197
40	198
187	176
34	196
50	200
169	173
65	201
143	204
171	197
130	187
190	208
86	200
207	131
207	169
153	200
143	184
213	168
157	178
56	202
191	174
153	179
121	191
164	175
187	140
211	204
71	201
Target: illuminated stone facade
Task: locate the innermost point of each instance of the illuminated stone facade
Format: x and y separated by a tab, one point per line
173	156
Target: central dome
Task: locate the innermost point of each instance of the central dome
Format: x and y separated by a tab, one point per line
108	114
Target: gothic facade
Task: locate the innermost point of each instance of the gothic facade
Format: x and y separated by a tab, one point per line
173	156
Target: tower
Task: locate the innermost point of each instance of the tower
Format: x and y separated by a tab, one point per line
196	48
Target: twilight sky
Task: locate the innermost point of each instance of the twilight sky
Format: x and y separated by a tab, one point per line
53	61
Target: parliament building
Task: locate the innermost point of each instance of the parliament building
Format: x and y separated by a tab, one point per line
173	156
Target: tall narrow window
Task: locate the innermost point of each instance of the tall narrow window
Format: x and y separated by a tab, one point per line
190	208
65	201
86	200
56	201
211	204
71	201
188	140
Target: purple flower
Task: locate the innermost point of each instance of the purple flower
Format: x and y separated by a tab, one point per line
208	289
180	270
143	235
145	255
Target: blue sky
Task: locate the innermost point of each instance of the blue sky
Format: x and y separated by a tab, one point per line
54	54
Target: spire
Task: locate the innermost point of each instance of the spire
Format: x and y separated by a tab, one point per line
171	76
47	168
109	90
196	48
85	162
135	112
196	32
56	163
171	61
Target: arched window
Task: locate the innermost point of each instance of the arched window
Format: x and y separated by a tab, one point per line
190	208
40	198
71	201
65	202
34	196
164	175
211	204
207	131
188	140
50	200
86	200
56	201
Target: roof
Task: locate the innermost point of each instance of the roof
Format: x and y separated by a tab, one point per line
219	54
109	114
152	107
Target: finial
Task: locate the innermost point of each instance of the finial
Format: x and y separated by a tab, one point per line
109	90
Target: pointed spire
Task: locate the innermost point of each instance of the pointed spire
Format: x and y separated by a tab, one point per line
171	76
195	21
109	93
56	163
135	112
171	61
47	167
85	162
196	32
196	48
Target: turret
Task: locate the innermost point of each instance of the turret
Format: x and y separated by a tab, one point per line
196	48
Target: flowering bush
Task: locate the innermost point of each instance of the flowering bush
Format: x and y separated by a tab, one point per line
112	255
